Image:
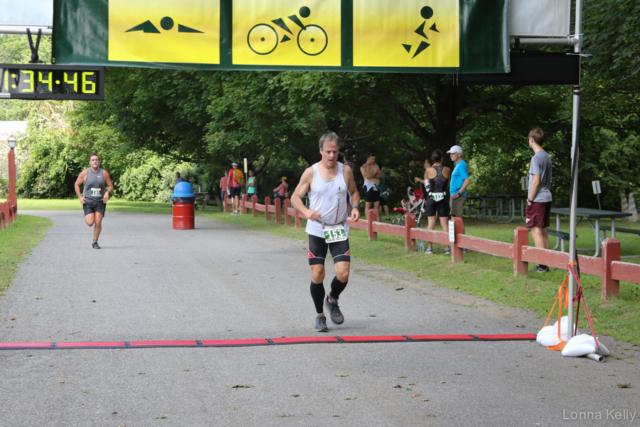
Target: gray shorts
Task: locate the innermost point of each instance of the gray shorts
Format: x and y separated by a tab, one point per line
457	206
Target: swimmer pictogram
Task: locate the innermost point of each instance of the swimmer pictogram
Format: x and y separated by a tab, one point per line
166	24
426	13
312	39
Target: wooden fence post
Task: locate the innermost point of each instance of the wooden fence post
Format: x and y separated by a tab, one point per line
372	216
287	217
254	202
298	219
520	239
7	214
278	204
409	223
1	217
457	253
267	214
245	200
610	253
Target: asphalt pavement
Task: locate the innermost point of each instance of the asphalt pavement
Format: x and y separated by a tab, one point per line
150	282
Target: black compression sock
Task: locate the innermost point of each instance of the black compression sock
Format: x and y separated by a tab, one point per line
337	287
317	293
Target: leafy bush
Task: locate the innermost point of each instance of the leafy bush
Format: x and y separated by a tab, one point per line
4	187
52	166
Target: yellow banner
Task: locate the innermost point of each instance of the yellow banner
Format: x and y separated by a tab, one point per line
286	32
407	33
183	31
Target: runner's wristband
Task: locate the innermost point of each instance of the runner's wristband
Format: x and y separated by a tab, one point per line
355	207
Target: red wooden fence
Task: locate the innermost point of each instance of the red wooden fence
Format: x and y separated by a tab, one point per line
609	267
8	213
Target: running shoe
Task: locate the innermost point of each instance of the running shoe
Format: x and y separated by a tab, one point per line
321	323
540	269
429	251
334	310
447	251
95	245
465	250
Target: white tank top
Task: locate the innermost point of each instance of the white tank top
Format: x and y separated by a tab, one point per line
330	199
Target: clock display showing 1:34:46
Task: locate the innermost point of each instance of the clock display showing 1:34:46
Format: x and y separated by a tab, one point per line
51	82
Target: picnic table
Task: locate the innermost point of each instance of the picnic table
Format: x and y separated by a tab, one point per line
203	198
591	214
500	208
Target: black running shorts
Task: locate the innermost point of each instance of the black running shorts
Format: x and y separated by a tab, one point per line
94	206
234	192
371	196
318	247
442	207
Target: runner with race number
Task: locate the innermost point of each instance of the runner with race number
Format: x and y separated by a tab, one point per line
94	196
328	183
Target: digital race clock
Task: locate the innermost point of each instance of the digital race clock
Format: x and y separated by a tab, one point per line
31	81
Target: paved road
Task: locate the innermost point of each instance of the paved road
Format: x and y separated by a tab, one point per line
150	282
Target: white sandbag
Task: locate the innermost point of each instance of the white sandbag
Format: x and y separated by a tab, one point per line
563	327
548	336
583	344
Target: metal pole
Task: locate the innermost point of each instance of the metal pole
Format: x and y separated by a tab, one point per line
574	173
14	29
12	177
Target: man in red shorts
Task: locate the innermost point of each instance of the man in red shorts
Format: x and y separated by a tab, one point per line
539	196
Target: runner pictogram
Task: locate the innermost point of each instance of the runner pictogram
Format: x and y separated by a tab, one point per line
426	13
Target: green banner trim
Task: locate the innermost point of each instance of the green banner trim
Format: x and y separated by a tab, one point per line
81	34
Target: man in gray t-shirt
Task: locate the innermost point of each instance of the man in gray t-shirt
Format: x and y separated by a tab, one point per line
95	195
539	195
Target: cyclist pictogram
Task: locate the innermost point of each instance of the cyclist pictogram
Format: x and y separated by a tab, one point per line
426	13
312	39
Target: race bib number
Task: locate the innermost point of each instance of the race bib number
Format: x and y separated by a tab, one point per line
437	196
95	192
334	233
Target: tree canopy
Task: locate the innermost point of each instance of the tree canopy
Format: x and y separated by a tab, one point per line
274	119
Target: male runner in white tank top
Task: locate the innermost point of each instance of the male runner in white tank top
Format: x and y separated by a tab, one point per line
327	183
95	195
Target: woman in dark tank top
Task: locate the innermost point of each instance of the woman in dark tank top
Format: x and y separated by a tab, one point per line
437	200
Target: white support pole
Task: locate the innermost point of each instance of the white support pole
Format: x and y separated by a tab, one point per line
14	29
559	41
574	169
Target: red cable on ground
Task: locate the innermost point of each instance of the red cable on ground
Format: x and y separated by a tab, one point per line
261	341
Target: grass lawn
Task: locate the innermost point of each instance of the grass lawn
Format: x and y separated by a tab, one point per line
483	275
16	241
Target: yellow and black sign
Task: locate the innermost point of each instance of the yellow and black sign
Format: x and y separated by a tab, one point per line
287	32
431	36
186	31
407	33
